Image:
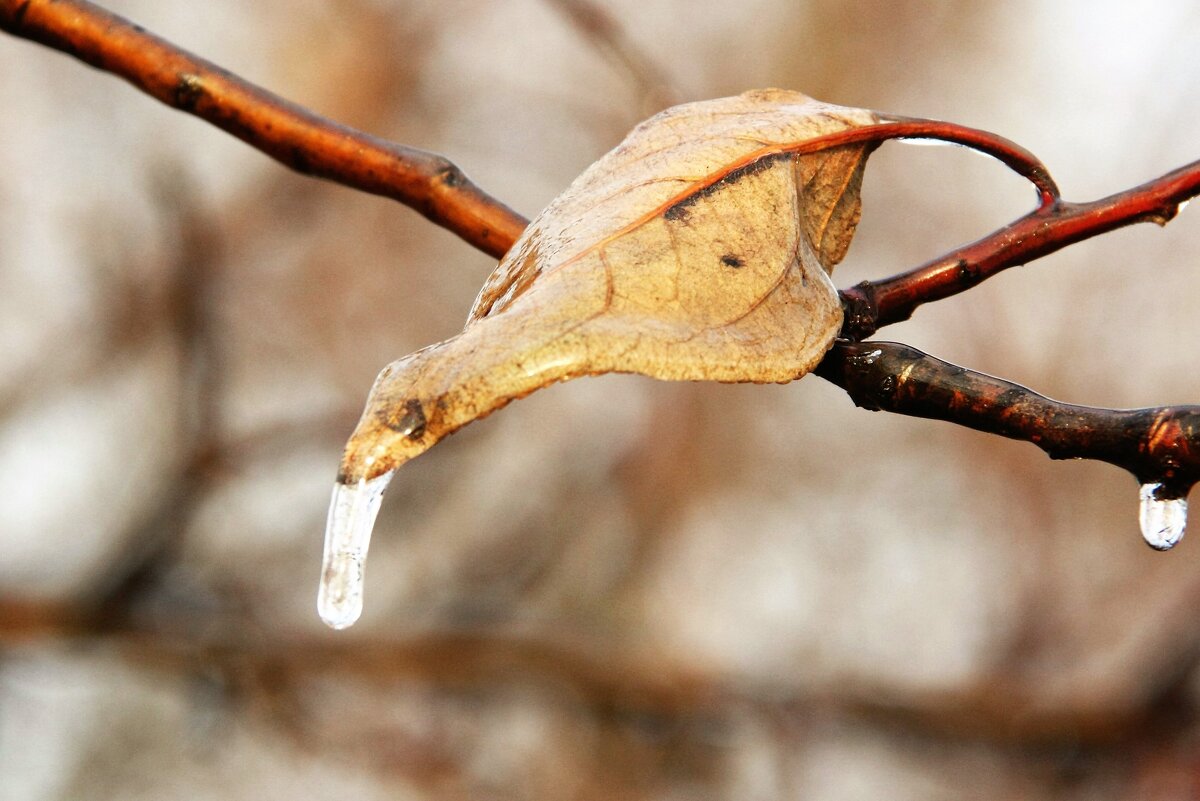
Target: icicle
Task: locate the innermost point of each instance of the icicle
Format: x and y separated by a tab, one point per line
352	514
1163	521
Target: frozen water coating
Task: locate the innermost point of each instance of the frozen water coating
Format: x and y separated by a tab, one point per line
1163	521
352	512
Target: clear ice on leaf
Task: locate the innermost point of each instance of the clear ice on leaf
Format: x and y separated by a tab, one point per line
352	514
1163	521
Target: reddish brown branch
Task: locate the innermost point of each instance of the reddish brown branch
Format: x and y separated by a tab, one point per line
872	305
1159	445
292	135
1006	151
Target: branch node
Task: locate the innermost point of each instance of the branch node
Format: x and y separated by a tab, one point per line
189	88
859	310
450	176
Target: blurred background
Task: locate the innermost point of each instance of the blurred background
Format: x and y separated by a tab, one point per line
616	588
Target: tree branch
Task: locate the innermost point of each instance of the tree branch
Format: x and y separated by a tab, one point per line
291	135
1158	445
1051	227
313	145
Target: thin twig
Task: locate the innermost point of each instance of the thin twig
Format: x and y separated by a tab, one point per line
1157	445
599	27
280	671
874	304
292	135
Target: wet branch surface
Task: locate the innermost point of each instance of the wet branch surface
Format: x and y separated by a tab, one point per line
1049	228
1157	445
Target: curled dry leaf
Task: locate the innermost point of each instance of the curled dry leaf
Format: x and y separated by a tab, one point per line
699	248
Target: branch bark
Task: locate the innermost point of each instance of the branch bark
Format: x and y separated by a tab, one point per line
288	133
1050	227
1157	445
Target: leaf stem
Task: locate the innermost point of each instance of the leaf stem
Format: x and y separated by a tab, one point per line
1049	228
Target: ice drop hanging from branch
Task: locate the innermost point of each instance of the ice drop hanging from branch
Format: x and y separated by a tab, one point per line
1159	446
1163	521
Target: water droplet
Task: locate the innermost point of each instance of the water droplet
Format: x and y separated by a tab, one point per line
926	141
352	514
1163	521
1044	198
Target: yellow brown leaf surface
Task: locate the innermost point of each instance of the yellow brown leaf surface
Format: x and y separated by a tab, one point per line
698	249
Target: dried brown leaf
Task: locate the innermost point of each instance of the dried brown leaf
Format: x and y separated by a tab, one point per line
698	249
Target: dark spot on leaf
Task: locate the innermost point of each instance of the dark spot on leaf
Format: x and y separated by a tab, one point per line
730	260
408	419
678	211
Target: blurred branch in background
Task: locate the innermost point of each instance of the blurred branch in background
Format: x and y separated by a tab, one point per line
599	27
